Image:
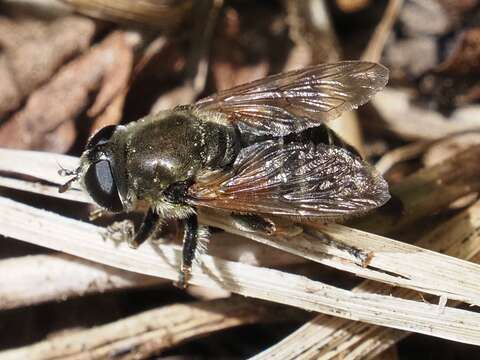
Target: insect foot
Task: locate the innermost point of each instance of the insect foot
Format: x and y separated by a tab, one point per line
119	232
183	277
97	214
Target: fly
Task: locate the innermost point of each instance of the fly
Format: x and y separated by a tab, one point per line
259	148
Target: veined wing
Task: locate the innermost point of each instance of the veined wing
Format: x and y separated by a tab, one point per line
296	100
298	179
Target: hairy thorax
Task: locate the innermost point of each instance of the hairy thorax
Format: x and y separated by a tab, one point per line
172	147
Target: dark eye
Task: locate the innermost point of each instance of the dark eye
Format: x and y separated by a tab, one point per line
101	137
101	186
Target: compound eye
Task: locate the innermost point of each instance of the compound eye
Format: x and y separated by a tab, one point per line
101	186
101	137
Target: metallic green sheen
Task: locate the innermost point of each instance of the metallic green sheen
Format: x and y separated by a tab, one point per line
170	147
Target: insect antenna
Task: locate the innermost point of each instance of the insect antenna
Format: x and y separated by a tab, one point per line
66	172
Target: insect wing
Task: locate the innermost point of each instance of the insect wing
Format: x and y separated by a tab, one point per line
296	100
295	179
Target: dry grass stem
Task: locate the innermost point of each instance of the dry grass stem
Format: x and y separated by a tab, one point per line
42	189
364	254
311	28
84	240
145	334
377	42
337	287
403	153
37	164
62	277
374	257
330	337
390	354
53	231
160	15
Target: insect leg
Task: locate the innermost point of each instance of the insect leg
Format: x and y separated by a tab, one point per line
253	223
190	242
265	225
147	228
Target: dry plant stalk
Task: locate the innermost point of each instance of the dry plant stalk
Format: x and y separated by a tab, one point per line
373	257
84	241
368	255
62	276
157	14
390	354
377	42
197	62
148	333
328	337
47	190
312	31
36	164
402	153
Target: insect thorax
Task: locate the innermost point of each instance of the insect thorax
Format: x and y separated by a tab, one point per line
172	147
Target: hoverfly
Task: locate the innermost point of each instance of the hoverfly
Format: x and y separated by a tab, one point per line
260	148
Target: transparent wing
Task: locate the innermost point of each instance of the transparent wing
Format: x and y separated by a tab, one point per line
295	179
296	100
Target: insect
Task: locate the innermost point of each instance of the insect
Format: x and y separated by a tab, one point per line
256	149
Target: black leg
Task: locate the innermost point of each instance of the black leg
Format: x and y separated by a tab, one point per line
146	229
265	225
190	242
253	223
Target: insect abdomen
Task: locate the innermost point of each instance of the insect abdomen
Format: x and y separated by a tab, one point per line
222	145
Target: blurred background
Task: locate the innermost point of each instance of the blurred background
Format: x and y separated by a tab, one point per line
68	68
